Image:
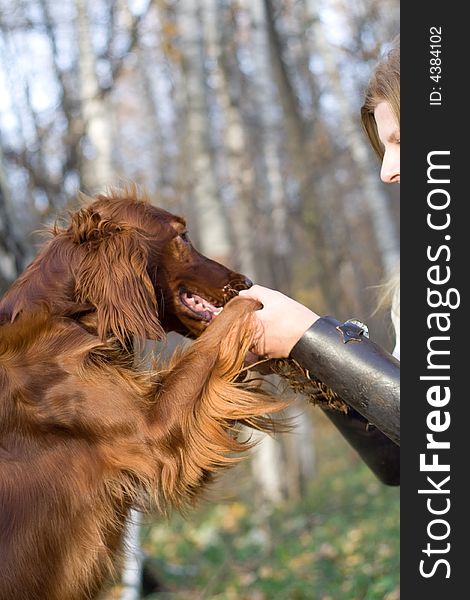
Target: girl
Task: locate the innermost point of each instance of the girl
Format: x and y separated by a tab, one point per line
340	354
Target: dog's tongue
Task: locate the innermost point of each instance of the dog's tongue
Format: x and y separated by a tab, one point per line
199	304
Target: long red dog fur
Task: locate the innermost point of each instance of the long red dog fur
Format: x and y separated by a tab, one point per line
85	434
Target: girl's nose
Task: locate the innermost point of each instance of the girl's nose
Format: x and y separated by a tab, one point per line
390	171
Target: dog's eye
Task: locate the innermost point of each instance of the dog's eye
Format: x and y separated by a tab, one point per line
184	236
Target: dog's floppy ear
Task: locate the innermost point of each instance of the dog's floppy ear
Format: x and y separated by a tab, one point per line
112	275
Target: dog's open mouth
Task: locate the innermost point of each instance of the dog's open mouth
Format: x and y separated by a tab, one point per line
200	307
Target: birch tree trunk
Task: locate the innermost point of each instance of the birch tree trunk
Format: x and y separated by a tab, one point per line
214	239
11	251
133	564
74	125
239	181
97	169
294	124
161	183
270	118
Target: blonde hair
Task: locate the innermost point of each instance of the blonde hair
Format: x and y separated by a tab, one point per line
388	293
384	84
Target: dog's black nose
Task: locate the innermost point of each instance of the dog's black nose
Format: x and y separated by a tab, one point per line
237	285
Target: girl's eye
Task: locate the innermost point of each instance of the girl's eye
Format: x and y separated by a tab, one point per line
184	236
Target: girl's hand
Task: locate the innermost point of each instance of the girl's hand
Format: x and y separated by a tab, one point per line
282	321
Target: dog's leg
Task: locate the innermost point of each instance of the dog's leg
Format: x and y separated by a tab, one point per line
200	401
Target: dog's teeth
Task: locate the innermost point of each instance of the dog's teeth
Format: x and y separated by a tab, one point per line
201	305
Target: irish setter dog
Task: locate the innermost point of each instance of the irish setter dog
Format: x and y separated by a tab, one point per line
85	433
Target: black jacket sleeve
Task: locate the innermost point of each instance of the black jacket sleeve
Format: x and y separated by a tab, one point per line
380	454
367	378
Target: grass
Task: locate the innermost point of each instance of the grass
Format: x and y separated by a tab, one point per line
339	542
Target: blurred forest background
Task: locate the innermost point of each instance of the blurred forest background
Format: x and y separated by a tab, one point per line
242	116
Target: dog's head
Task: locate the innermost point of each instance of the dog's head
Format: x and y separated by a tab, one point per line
140	271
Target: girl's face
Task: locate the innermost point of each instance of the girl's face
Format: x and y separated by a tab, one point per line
389	134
